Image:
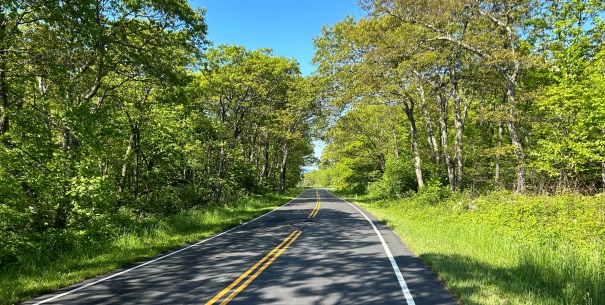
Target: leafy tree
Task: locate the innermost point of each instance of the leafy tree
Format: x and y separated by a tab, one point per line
568	151
241	86
471	76
345	54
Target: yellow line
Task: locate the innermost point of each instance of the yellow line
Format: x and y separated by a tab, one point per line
245	274
314	210
317	206
250	279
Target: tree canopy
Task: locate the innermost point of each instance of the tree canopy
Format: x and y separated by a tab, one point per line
122	108
487	94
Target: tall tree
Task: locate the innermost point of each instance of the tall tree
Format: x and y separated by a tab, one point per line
350	53
495	38
72	58
243	86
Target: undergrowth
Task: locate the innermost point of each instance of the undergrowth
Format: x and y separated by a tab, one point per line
57	259
502	248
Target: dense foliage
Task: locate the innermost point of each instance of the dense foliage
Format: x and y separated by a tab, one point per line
121	109
476	95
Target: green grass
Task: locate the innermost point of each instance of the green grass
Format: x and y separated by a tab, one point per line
506	249
70	257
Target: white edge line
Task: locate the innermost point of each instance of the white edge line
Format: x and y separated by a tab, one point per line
164	256
402	283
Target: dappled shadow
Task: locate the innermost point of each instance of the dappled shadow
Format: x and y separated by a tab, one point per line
336	260
340	261
82	261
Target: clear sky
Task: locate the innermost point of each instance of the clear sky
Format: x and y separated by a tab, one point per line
286	26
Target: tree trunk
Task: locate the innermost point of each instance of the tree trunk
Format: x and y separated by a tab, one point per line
394	134
4	97
515	141
459	130
443	116
122	183
408	109
136	130
433	147
264	174
221	174
4	104
396	143
283	167
68	144
497	183
511	85
603	175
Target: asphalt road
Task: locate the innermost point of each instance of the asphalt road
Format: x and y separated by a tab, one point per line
317	249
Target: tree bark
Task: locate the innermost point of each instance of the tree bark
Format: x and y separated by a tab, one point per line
395	143
603	175
221	174
443	116
264	174
4	97
283	168
408	109
68	144
123	174
393	134
4	104
433	146
520	187
497	183
459	131
136	130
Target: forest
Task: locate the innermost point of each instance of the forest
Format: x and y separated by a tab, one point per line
113	110
472	95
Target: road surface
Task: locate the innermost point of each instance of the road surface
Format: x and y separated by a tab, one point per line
316	249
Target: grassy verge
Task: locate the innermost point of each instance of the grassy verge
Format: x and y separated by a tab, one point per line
506	249
70	257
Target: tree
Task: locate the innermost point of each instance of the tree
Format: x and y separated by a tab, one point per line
568	151
73	59
495	38
346	54
255	99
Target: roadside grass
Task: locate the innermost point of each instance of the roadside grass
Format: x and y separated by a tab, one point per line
71	257
501	248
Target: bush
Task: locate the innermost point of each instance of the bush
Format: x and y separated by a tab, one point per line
398	180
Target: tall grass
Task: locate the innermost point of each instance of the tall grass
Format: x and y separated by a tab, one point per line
506	249
56	259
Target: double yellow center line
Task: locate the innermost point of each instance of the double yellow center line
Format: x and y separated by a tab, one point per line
235	287
267	260
316	208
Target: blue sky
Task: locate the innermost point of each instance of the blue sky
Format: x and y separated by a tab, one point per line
287	27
